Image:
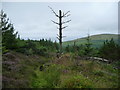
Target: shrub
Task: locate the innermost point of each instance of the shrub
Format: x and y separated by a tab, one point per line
47	78
98	73
4	50
78	81
41	51
107	48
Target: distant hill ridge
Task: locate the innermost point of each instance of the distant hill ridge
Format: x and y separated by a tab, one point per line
96	40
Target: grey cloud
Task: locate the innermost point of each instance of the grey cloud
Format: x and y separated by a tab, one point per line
32	20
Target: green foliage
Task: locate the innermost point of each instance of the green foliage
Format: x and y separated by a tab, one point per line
47	79
28	47
69	71
4	50
67	49
41	47
88	49
96	40
8	34
78	81
41	51
82	50
73	48
98	73
25	73
110	50
51	46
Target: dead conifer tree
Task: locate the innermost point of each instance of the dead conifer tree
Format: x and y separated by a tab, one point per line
60	16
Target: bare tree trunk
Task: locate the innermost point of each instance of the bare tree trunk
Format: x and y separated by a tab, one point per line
60	23
60	30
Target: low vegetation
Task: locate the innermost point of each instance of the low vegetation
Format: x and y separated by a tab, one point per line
24	71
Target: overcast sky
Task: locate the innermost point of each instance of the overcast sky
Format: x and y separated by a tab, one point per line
33	20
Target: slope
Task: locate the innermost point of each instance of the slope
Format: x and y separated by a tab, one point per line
96	40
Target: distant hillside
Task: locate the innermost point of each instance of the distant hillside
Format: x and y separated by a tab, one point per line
96	40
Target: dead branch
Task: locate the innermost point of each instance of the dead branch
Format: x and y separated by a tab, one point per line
53	11
60	23
58	38
67	15
64	15
58	35
66	22
55	22
64	27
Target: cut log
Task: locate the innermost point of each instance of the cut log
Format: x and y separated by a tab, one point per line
99	59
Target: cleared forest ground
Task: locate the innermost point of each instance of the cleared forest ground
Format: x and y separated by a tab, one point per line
64	72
